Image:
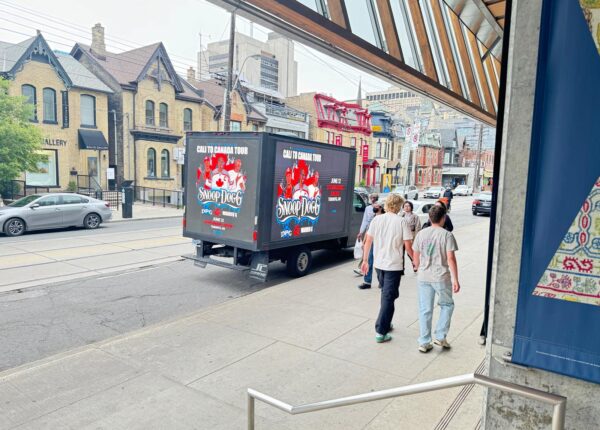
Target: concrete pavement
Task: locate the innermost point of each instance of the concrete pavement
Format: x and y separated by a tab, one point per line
147	211
28	262
305	340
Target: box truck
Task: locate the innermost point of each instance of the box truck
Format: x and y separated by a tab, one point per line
253	198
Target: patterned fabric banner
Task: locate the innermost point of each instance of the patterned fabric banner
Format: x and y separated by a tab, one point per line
558	310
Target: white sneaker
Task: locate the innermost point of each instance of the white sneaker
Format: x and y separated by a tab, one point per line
425	348
443	343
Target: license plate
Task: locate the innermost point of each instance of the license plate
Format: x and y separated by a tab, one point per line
486	204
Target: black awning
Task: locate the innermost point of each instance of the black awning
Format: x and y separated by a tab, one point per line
92	139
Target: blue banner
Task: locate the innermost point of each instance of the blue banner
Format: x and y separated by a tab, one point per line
558	311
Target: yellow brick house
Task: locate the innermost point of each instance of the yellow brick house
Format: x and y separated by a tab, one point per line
151	108
71	109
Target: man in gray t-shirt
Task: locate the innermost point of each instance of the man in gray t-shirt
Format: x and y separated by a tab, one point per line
434	250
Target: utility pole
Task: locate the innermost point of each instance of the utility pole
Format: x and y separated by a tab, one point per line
478	166
227	111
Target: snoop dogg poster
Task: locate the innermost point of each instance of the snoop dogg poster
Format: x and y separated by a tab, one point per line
311	188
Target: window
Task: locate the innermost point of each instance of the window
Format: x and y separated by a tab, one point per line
353	142
163	115
187	120
149	112
364	21
235	126
151	163
165	170
378	150
47	174
28	92
254	127
73	200
88	111
49	201
49	105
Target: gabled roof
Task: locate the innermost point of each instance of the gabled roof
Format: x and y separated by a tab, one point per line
11	53
130	67
14	55
212	90
191	93
80	76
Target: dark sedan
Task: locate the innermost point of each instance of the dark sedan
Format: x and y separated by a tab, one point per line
482	203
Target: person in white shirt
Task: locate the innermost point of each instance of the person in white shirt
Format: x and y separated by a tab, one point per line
389	235
220	176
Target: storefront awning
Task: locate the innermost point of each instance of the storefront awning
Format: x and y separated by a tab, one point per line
371	163
92	139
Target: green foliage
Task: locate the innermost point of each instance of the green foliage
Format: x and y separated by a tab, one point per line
20	141
72	187
362	183
590	3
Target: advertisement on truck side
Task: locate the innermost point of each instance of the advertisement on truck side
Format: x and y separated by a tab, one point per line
224	186
311	188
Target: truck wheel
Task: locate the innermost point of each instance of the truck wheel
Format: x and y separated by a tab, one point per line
299	261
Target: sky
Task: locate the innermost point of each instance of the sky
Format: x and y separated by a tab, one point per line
176	23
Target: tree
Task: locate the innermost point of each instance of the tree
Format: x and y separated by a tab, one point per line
20	140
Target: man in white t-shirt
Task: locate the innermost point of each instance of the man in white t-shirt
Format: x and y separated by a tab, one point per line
389	235
434	249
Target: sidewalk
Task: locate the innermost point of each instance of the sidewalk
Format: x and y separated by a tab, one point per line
306	340
147	211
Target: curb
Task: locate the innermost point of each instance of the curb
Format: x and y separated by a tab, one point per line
144	219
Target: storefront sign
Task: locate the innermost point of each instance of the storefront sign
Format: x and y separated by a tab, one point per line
558	308
365	152
55	142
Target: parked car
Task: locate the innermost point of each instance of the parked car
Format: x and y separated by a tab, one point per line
463	190
362	191
49	211
409	192
482	203
433	192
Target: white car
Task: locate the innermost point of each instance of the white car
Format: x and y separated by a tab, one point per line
433	192
463	190
409	192
421	209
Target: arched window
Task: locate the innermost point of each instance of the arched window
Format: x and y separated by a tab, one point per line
378	150
163	115
165	170
28	91
151	163
187	120
149	112
49	105
88	110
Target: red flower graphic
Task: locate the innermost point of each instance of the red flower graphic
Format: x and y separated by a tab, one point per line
219	182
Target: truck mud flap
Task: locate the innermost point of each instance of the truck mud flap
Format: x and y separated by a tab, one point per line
204	261
259	266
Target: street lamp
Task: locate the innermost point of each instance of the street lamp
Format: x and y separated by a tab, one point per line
229	90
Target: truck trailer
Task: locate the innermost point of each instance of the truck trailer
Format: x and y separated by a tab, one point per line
253	198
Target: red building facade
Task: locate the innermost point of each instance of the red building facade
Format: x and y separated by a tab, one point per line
429	166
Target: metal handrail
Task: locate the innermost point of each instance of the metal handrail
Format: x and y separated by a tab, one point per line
558	402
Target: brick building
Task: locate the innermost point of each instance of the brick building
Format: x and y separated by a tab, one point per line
71	109
150	109
372	153
430	158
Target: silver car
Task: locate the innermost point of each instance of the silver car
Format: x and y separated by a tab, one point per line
56	210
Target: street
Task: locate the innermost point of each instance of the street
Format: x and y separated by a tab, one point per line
129	274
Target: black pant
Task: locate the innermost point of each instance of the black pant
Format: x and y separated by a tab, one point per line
389	280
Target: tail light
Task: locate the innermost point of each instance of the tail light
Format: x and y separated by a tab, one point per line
255	235
107	204
476	202
184	222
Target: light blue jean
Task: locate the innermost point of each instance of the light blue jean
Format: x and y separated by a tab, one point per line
427	292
